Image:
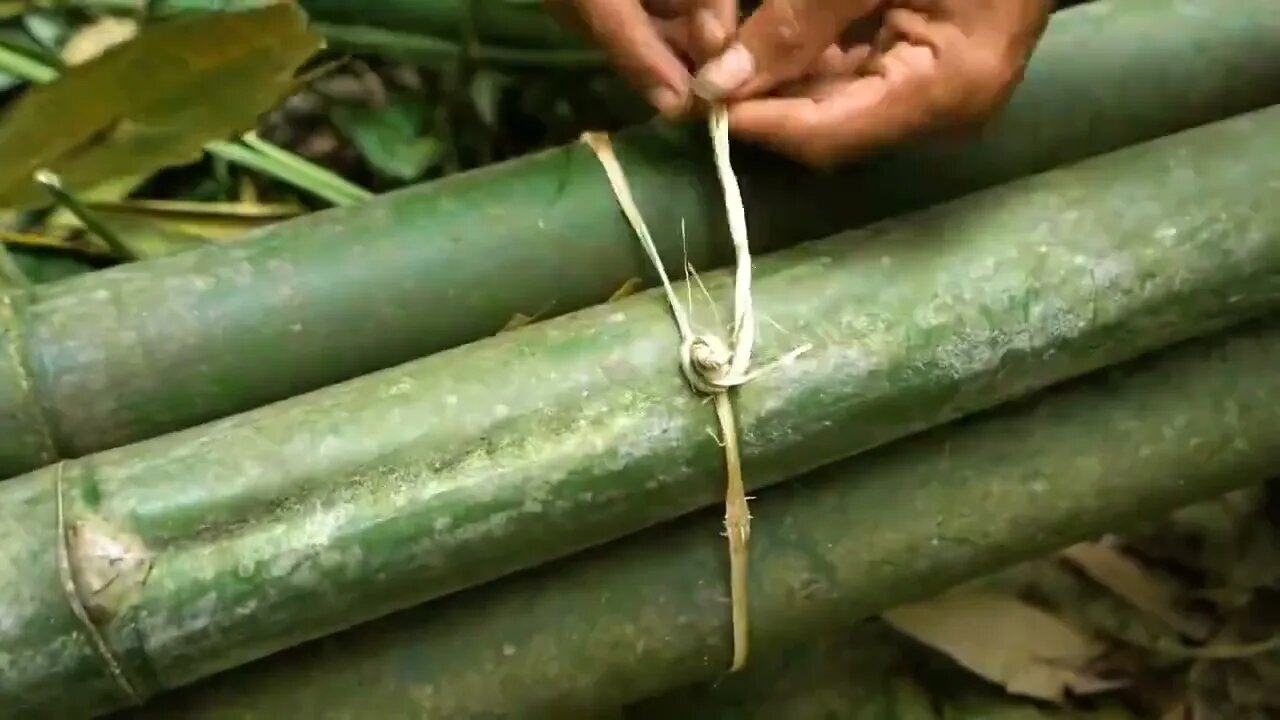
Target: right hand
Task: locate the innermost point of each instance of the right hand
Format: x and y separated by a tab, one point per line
654	44
828	81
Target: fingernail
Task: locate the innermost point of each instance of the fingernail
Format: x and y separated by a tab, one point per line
724	74
666	100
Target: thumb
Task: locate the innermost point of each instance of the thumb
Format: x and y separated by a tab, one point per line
777	43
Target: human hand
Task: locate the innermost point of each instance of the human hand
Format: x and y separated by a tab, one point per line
654	43
825	81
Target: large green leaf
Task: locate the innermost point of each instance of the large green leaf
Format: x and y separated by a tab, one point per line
392	138
153	101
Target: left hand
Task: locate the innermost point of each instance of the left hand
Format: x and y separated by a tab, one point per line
826	81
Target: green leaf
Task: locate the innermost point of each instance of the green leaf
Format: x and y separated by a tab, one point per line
154	101
486	88
22	59
390	138
47	28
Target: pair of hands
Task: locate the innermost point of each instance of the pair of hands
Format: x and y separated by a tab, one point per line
822	81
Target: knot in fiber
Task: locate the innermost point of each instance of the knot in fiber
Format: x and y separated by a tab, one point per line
706	361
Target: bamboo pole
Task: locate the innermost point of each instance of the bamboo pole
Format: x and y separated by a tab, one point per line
137	351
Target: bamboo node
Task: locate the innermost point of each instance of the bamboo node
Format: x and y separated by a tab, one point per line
96	571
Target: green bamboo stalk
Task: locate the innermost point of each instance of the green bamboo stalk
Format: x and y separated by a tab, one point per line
650	613
305	517
161	345
431	50
867	672
513	23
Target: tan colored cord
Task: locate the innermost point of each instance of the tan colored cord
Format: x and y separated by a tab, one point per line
711	365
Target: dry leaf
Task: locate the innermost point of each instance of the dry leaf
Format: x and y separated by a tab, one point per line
96	38
49	241
248	190
1148	592
628	288
189	80
1026	650
519	320
516	322
211	220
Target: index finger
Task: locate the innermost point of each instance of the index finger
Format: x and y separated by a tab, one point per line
625	31
777	43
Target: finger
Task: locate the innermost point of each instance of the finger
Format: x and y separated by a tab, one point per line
833	69
777	43
635	48
837	62
713	24
701	29
844	120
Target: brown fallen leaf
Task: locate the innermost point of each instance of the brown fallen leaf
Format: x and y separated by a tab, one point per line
628	288
97	37
219	221
50	241
189	80
516	322
1028	651
519	320
1129	580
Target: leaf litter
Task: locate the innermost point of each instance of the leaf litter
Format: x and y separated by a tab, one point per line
1179	619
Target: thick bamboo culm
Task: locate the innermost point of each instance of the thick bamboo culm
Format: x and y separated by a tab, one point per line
118	356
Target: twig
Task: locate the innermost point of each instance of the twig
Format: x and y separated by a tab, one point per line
433	50
53	185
